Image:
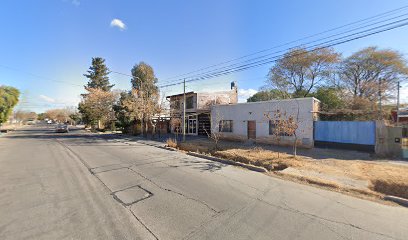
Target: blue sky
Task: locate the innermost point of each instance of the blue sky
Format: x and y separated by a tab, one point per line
46	46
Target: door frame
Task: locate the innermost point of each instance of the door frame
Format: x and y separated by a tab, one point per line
249	136
190	119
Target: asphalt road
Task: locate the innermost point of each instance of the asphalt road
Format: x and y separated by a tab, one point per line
88	186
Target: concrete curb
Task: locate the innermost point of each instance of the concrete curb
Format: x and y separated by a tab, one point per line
229	162
216	159
400	201
167	148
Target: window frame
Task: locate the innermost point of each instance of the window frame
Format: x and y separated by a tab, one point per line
272	126
190	98
222	126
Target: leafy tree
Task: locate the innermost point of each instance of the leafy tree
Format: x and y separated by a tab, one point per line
330	98
144	79
142	102
99	89
98	107
371	70
300	71
8	99
98	75
267	95
124	115
75	117
41	116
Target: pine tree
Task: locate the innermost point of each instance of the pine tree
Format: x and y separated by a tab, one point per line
144	80
98	75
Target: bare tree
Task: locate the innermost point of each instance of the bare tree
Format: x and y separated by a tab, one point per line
371	75
216	130
283	124
159	110
23	116
175	124
279	125
300	70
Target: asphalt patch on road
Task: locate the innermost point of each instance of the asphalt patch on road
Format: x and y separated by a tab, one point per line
131	195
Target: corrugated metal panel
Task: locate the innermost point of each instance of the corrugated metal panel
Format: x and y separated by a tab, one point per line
345	132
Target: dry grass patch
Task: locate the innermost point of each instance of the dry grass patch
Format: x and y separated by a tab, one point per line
384	177
170	142
197	146
259	157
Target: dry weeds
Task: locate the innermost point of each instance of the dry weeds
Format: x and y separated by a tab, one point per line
384	177
171	143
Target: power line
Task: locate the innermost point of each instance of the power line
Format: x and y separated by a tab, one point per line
233	67
318	46
378	16
267	55
37	76
305	44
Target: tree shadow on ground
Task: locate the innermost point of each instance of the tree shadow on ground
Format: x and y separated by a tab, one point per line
201	165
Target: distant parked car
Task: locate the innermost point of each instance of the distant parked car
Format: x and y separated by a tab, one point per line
30	122
62	128
49	121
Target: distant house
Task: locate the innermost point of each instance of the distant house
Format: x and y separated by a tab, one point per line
198	109
402	116
254	120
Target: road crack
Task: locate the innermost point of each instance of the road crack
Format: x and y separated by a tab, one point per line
322	219
175	192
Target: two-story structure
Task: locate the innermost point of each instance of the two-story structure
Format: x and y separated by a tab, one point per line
198	109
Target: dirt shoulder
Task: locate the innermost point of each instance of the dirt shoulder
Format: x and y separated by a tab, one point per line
363	177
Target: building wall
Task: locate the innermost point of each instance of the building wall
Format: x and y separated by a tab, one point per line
385	140
178	111
243	112
205	100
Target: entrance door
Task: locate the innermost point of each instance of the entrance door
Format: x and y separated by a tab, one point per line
192	125
251	129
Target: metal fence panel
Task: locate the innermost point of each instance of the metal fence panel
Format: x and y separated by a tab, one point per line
353	132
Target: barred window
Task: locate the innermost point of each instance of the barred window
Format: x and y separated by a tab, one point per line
280	128
225	126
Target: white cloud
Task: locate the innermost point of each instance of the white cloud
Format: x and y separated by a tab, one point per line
244	94
118	23
76	2
47	99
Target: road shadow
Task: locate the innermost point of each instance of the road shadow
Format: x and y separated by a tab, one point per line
202	165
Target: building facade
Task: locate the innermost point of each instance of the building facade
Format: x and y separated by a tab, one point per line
198	108
273	122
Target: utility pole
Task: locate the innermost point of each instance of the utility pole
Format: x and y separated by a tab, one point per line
398	101
184	110
380	97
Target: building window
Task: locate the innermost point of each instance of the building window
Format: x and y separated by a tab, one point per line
281	128
190	102
225	126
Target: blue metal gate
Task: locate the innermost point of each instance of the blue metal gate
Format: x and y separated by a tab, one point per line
354	135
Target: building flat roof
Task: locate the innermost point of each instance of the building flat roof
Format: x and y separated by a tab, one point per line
180	94
270	101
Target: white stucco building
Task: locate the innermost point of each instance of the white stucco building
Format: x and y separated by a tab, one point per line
257	120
